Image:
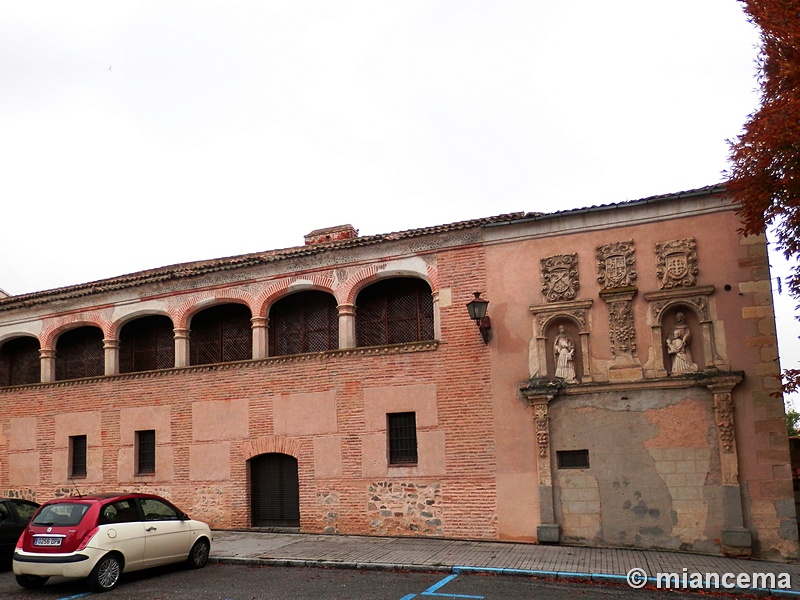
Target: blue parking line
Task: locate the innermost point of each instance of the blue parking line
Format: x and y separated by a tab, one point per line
76	596
432	591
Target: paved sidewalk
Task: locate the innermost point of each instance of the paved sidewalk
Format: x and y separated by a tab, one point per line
554	562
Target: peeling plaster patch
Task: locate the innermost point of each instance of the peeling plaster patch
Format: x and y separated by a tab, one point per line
682	425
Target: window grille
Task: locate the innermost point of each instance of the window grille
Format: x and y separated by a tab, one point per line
19	362
147	344
77	456
145	452
402	428
394	311
303	322
79	353
572	459
221	334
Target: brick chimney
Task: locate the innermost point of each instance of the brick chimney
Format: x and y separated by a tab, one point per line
331	234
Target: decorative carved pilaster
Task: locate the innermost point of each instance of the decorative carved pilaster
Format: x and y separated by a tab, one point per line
539	393
542	428
723	410
620	320
560	277
616	265
676	263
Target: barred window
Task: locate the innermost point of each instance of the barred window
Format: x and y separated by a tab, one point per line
147	344
79	353
402	429
572	459
77	456
19	362
303	322
394	311
145	452
221	334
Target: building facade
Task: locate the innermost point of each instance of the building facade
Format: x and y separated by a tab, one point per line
624	395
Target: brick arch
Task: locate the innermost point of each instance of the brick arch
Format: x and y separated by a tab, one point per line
182	313
56	327
118	324
271	444
372	273
279	289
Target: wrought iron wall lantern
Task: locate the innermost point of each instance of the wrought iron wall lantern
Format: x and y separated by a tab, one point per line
477	312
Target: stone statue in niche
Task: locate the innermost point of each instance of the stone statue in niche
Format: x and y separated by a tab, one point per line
678	347
564	356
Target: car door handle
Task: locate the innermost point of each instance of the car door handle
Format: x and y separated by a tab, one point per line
151	528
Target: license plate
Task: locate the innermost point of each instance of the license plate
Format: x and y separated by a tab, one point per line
47	541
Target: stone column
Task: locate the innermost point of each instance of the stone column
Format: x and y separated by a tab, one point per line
181	347
736	538
347	326
111	350
47	362
547	531
260	347
539	393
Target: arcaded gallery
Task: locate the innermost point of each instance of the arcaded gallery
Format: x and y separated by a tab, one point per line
602	376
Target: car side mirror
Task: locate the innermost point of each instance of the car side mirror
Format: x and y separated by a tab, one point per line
183	516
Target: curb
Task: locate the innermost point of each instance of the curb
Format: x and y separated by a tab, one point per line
550	575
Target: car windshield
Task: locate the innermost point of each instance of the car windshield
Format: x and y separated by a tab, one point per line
63	514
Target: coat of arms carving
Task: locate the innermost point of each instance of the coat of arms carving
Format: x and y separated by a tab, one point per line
676	263
560	277
616	265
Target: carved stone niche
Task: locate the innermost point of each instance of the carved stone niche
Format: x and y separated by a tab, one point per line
574	317
694	304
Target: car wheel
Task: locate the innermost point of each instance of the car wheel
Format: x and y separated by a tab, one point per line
198	555
105	574
31	581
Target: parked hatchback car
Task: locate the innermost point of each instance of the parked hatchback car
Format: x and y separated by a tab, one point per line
102	536
14	516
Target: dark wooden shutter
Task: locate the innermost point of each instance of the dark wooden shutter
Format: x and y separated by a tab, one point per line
274	491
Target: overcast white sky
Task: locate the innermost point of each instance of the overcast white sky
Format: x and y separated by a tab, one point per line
144	133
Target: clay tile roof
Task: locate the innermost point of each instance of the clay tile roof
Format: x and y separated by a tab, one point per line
196	268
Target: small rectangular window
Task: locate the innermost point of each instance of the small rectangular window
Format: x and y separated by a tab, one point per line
572	459
77	456
145	452
402	428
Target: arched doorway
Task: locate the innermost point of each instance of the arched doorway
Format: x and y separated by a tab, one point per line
274	491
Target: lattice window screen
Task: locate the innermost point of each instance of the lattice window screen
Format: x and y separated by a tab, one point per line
221	334
79	353
19	362
303	322
147	344
394	311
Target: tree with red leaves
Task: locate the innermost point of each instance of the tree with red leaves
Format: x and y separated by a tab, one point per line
764	177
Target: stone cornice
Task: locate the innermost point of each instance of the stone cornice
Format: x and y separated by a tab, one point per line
705	379
426	346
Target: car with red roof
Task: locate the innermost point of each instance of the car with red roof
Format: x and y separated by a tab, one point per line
101	536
